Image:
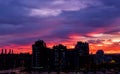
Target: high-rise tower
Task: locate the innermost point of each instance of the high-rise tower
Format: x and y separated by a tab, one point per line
82	54
83	48
39	55
59	56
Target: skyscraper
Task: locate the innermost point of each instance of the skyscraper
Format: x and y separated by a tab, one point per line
82	54
59	56
39	55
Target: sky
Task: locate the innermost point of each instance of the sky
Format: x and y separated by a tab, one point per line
97	22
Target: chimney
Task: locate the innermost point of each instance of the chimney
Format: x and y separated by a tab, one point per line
2	51
12	52
9	51
5	51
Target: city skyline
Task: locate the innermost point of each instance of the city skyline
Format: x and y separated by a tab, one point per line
60	22
59	59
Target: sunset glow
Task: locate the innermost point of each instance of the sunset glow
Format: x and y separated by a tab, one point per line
60	22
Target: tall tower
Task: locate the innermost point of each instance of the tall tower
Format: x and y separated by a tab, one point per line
83	48
59	56
82	54
5	51
39	55
2	51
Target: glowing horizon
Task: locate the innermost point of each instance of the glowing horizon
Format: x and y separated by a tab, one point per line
108	48
60	22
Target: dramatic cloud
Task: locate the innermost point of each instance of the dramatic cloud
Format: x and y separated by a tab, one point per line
59	21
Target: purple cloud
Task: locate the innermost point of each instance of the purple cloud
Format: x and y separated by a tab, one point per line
23	21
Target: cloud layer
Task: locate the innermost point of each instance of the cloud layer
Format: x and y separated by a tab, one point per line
58	21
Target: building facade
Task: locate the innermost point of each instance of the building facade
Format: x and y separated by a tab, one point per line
82	55
59	53
39	55
82	48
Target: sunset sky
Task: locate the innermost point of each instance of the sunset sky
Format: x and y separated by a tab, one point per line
22	22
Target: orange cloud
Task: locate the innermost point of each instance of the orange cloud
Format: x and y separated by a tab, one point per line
109	44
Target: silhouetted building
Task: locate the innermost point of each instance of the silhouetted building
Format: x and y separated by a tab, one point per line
10	51
71	59
59	52
2	51
9	61
81	55
82	48
99	57
59	58
39	55
5	51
